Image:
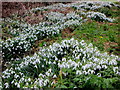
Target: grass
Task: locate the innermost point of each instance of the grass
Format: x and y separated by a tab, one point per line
99	34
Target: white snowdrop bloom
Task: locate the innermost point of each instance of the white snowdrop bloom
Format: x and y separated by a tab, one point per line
90	45
98	67
78	56
97	53
105	54
101	16
89	50
62	66
98	74
52	83
103	62
54	62
50	70
67	66
12	72
65	74
21	73
82	41
85	72
12	82
44	59
45	82
27	83
113	62
104	66
42	65
40	82
118	72
35	66
72	39
49	62
40	75
112	55
59	64
29	79
78	72
86	66
79	63
54	76
15	83
36	82
18	85
96	60
92	71
16	76
47	73
37	60
6	85
83	67
115	69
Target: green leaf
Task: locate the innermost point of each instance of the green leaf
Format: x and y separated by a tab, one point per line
41	44
63	86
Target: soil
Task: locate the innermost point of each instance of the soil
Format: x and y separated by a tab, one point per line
8	8
67	32
20	8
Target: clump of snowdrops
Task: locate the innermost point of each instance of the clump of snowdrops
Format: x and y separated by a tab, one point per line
60	64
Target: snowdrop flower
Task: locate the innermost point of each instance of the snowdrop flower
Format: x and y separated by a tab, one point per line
98	16
54	76
99	75
65	74
115	69
40	82
113	62
35	66
42	65
47	73
104	66
98	67
18	85
96	60
45	82
6	85
85	72
78	72
16	76
54	62
12	82
29	79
